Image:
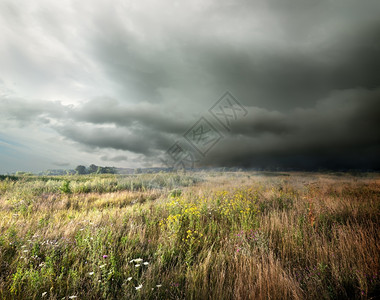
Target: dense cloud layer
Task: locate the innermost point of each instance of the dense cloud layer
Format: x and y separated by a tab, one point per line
119	84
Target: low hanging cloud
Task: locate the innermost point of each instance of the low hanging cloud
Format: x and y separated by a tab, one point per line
339	128
340	131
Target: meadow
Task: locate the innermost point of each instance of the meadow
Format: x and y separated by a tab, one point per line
241	235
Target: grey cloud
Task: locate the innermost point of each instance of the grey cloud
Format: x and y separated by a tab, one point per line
111	111
140	74
137	141
25	111
341	130
117	158
340	127
284	70
61	164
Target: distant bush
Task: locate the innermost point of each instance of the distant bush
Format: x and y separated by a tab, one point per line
65	187
9	177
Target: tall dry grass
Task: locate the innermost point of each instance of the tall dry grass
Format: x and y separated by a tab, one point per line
217	236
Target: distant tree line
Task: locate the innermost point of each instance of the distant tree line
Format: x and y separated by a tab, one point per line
94	169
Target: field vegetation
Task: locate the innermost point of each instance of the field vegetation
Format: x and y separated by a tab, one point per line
242	235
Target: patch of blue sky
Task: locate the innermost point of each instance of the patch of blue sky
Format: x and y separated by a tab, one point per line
10	143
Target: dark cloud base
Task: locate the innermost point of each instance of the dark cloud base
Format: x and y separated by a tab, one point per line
340	132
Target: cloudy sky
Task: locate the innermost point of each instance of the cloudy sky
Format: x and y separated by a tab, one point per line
117	83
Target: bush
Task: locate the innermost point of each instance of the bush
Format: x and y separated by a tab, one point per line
65	187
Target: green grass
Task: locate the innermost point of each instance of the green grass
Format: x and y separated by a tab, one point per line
195	236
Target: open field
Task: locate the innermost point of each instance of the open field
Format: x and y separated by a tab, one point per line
193	236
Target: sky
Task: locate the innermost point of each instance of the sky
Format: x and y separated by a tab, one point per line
227	83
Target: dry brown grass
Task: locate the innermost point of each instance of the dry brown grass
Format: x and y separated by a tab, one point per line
314	236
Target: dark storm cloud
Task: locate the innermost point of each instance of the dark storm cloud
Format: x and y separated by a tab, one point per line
340	131
141	141
295	75
343	127
111	111
309	50
306	71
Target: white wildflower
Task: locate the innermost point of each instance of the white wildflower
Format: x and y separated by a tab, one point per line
129	278
138	287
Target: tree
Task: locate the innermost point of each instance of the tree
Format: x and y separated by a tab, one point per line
109	170
92	169
80	170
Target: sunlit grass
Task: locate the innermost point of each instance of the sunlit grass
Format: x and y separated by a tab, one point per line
220	236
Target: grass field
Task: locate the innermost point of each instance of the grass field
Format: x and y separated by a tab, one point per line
190	236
